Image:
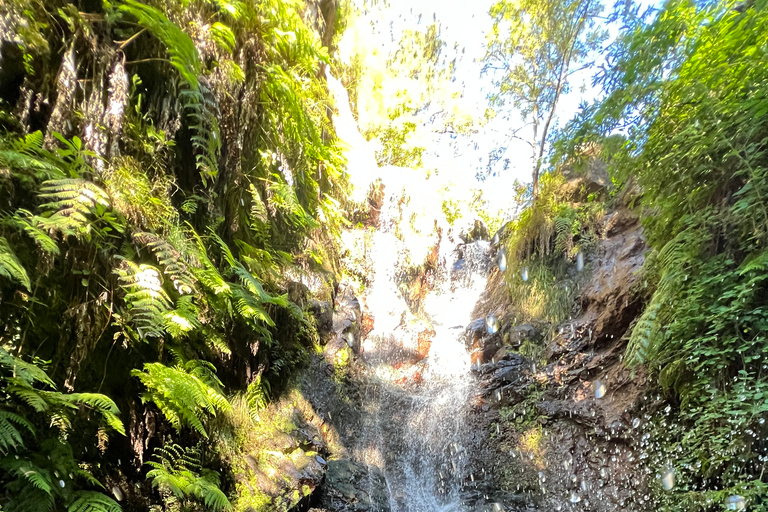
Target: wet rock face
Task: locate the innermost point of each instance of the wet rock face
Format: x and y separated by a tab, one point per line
284	461
562	434
609	299
354	487
347	318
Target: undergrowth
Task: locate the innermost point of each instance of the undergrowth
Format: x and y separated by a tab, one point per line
690	87
162	165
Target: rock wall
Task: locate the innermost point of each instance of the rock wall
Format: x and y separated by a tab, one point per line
563	435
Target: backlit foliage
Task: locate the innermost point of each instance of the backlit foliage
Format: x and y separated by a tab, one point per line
162	165
689	88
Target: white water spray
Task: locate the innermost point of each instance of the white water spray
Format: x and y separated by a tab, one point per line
416	402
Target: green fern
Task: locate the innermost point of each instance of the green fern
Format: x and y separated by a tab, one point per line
10	436
185	394
73	204
10	266
257	396
179	471
180	47
564	234
184	57
145	297
92	501
26	158
170	259
49	479
20	381
32	226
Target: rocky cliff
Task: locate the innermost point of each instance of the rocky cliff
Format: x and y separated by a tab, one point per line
564	429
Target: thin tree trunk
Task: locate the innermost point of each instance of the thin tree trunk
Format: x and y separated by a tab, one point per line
566	63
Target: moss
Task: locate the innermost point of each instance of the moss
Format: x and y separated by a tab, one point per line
250	499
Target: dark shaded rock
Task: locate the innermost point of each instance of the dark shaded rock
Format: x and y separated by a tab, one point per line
323	313
347	317
593	178
354	487
520	333
544	423
609	300
475	330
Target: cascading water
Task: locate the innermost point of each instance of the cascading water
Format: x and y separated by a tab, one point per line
415	425
419	369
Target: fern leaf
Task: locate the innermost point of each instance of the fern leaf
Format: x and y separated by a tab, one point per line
92	501
184	394
10	266
145	297
10	436
25	372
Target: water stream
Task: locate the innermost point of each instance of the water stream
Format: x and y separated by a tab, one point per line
418	393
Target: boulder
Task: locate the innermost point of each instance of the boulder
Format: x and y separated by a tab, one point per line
347	317
354	487
323	313
520	333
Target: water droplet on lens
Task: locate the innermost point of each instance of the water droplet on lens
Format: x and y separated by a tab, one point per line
668	479
599	389
491	324
580	261
735	502
61	483
501	259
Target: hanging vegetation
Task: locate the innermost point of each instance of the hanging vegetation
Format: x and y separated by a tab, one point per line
162	164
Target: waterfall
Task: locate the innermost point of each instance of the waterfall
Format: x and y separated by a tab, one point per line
419	381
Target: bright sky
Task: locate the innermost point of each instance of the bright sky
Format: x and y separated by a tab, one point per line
464	25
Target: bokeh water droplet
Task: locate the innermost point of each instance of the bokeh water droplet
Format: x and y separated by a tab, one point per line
668	479
735	502
117	493
580	261
501	259
524	274
599	389
491	324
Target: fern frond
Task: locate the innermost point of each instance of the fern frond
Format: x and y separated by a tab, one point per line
145	297
10	266
26	470
101	403
25	372
170	259
184	57
34	398
184	394
179	471
10	436
71	203
92	501
257	397
209	275
180	47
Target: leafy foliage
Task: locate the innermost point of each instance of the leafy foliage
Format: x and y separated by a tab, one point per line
179	471
175	160
689	88
42	478
185	393
532	51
